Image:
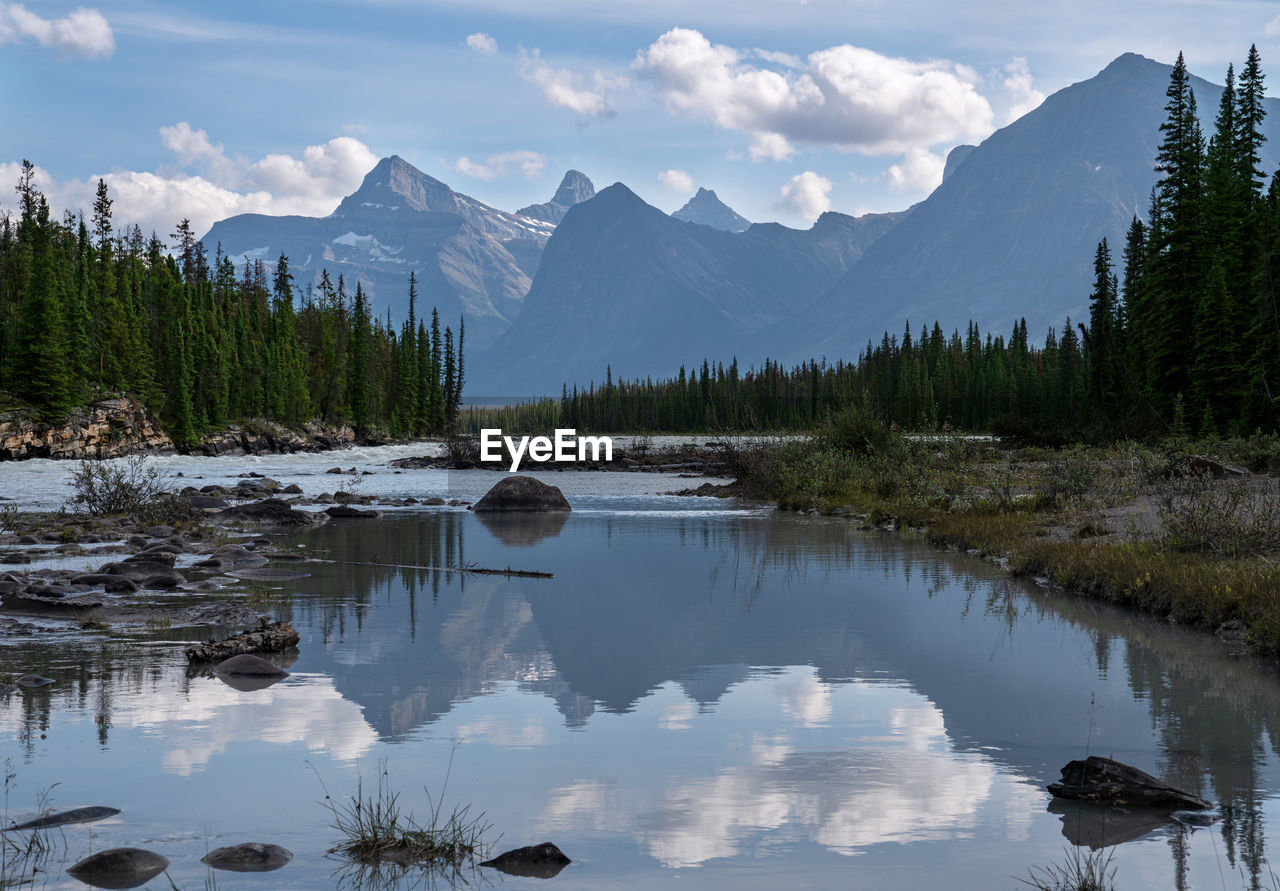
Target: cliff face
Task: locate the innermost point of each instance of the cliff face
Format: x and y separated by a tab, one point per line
112	428
106	429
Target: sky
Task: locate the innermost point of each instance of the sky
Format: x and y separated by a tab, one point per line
786	108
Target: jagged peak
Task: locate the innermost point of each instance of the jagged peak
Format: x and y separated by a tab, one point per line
576	186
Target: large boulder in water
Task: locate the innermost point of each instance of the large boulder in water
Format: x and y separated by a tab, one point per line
1104	781
522	493
248	857
119	868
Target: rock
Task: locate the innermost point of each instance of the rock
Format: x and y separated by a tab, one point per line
23	602
222	614
33	680
105	429
149	556
270	512
119	868
341	511
291	489
248	857
522	493
75	815
334	470
264	639
7	689
28	540
537	861
250	665
1103	780
207	502
115	584
158	531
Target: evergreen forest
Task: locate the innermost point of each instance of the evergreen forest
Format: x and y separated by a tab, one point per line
88	311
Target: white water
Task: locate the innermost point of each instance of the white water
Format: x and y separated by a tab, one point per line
44	484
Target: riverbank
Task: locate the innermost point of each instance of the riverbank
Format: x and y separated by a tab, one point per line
122	425
1188	531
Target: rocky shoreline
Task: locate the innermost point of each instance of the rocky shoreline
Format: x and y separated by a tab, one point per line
165	572
122	425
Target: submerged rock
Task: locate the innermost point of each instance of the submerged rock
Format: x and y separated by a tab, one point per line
249	665
248	857
119	868
520	493
75	815
33	680
536	861
1105	781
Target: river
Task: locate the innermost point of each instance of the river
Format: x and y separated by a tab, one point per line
708	693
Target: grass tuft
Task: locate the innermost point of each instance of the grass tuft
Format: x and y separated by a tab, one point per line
378	830
1082	871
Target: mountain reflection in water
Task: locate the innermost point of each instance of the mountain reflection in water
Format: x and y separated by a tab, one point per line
752	696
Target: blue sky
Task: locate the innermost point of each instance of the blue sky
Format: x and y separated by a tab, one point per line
784	107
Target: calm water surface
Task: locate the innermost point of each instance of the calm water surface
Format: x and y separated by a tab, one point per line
707	694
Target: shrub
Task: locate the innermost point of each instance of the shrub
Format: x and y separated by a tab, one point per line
132	487
1224	517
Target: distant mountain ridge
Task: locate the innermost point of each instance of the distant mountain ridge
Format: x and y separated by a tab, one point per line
471	259
627	288
1012	229
706	209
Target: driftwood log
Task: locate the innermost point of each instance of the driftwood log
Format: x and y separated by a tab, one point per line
266	638
1104	781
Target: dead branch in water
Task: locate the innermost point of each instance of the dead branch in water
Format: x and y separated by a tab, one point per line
466	568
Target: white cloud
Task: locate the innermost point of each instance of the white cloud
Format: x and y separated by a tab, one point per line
845	96
567	89
482	43
676	180
494	166
807	195
920	170
770	147
1017	86
1273	27
220	186
84	32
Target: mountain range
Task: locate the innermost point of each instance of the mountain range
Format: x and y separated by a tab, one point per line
470	258
589	283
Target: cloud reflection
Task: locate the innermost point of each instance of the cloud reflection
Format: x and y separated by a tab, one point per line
203	724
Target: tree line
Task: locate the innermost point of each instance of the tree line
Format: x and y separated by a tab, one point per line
1188	336
924	381
86	311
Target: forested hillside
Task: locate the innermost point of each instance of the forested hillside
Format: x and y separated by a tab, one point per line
86	309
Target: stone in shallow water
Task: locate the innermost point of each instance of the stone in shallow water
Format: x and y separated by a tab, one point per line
249	665
33	680
119	868
75	815
520	493
248	857
1103	780
535	861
